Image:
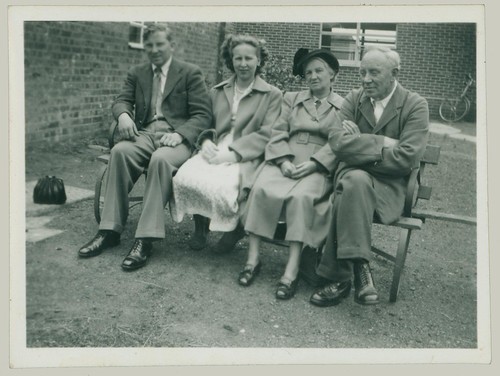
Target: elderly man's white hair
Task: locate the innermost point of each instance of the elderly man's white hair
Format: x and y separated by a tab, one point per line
391	55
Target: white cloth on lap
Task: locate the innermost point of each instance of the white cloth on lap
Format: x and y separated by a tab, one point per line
207	189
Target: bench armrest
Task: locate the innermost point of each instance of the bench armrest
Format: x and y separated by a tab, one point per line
411	192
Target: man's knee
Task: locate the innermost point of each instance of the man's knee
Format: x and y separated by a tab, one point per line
355	180
162	160
121	149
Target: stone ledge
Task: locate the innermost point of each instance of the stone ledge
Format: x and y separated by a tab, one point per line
73	195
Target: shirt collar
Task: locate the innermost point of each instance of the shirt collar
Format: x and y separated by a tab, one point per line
164	67
386	100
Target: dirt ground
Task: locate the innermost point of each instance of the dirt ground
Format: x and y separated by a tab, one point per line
184	298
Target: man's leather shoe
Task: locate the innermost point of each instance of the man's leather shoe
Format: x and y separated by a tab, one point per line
102	240
228	241
138	255
364	288
331	294
198	240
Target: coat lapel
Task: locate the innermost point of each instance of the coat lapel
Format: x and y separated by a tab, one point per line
310	107
335	100
229	91
173	75
306	99
366	109
146	82
391	110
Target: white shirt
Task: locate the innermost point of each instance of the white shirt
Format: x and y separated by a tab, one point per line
379	106
164	71
238	96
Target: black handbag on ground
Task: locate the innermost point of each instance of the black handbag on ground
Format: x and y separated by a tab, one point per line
49	190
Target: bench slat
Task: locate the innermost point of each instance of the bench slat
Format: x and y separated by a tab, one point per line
405	222
444	216
431	154
424	192
103	158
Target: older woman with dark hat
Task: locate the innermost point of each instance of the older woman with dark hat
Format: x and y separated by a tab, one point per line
297	178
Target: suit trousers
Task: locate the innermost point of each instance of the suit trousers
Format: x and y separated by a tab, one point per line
126	164
353	209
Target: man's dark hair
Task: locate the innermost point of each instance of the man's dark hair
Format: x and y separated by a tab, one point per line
154	28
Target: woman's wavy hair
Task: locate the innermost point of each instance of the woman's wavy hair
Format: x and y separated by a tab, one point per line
231	41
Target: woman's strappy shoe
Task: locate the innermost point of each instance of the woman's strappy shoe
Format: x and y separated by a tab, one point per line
286	289
248	274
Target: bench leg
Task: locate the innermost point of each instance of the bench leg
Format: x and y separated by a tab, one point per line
97	194
404	241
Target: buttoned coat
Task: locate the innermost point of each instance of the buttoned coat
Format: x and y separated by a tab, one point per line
306	199
185	103
406	119
251	126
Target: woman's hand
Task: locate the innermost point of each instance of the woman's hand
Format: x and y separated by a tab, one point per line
304	169
351	127
222	156
287	169
208	150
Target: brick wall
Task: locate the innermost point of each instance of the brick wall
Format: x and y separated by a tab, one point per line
74	70
434	57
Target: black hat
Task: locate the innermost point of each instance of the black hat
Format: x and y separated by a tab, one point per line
302	56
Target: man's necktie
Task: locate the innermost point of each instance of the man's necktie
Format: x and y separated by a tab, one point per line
156	93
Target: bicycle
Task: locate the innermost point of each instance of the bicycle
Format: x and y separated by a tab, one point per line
452	110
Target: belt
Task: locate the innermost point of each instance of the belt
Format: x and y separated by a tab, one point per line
308	138
155	118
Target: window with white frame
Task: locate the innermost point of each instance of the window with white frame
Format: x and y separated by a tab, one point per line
136	34
349	40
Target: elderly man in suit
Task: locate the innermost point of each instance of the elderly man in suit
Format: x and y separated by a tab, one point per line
381	139
162	108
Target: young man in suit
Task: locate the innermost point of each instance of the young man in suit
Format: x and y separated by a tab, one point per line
381	139
161	110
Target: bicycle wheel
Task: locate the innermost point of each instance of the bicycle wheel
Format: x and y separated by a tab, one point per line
452	110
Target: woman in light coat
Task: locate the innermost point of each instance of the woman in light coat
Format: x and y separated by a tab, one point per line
214	184
296	180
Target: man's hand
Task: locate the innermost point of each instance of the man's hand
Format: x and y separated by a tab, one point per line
390	142
304	169
171	139
287	169
126	127
223	156
208	150
351	127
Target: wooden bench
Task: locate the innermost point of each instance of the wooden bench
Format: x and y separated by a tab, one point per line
412	218
418	189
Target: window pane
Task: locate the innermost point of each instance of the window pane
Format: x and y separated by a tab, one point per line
134	35
349	40
340	38
377	35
